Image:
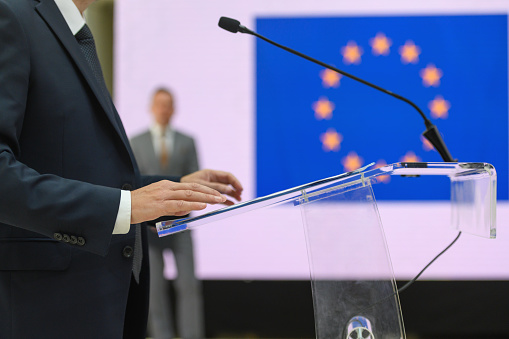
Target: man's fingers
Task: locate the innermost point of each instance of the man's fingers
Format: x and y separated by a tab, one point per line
196	187
229	202
225	189
194	196
181	207
221	181
170	198
228	179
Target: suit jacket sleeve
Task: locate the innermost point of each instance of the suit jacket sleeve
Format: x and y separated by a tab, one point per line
42	203
150	179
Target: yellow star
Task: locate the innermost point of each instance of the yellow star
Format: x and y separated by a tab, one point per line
330	78
439	107
380	44
323	109
331	140
352	161
351	53
410	157
409	52
431	76
426	145
382	178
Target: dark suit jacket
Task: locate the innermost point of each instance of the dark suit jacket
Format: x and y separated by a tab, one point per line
64	156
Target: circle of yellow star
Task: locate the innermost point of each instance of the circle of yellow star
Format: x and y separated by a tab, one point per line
382	178
330	78
426	145
351	53
331	140
352	162
323	108
409	52
380	44
439	107
431	76
410	157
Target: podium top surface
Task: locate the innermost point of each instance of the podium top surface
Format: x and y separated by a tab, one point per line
473	194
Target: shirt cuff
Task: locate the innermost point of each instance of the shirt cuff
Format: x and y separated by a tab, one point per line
123	222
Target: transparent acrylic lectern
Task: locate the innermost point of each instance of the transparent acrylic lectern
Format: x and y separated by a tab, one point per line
353	285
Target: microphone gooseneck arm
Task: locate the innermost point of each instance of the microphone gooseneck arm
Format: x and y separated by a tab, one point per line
431	134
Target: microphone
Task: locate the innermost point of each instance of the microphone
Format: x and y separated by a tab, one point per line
232	25
431	134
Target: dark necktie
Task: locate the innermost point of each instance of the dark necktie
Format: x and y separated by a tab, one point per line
87	45
163	159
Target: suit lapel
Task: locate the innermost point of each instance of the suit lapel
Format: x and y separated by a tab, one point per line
54	19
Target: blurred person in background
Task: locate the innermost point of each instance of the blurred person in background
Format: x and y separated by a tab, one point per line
162	150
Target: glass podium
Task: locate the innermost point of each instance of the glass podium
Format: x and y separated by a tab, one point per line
353	284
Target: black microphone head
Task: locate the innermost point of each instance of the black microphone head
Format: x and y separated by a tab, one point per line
229	24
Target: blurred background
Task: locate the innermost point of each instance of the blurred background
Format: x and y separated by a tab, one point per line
277	121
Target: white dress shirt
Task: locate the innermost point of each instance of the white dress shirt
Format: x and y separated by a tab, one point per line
75	21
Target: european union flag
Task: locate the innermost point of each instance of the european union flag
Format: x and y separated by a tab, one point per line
313	123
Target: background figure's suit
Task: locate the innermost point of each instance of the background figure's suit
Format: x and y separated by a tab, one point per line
181	160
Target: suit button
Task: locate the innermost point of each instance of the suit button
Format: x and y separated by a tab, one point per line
57	236
127	187
74	240
127	252
81	241
66	238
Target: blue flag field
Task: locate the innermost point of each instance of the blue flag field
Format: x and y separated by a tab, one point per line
312	123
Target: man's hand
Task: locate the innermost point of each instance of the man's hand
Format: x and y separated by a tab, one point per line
170	198
223	182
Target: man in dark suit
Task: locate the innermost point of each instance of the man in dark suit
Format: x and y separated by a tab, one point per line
72	263
163	150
